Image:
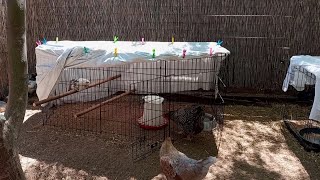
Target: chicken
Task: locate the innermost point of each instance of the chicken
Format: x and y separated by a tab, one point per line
79	84
189	119
32	87
32	84
177	166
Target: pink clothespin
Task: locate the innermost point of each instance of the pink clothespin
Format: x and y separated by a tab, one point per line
211	52
184	53
142	40
38	42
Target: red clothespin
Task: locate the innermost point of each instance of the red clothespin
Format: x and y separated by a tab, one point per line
184	53
142	40
211	52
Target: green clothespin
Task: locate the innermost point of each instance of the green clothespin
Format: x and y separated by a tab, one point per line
153	53
86	50
115	39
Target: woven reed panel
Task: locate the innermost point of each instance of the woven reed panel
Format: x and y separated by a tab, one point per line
261	35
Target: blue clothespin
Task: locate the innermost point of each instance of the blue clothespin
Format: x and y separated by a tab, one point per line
44	40
219	43
86	50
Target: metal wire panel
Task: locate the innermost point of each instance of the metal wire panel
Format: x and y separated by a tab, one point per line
181	84
296	117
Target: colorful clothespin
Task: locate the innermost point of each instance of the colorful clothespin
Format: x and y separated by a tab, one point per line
184	53
219	43
115	39
44	40
86	50
142	40
153	53
115	52
211	52
172	40
57	39
38	42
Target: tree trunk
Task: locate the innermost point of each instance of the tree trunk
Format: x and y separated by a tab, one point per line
10	124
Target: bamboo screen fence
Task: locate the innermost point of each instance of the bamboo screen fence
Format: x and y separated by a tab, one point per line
262	34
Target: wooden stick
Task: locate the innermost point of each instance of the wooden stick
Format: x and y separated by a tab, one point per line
103	103
74	91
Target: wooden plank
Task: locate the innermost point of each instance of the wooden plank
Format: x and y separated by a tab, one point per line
74	91
101	104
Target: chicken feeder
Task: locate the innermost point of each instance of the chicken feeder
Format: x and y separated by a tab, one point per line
152	113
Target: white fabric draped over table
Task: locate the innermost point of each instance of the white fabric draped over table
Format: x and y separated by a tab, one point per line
298	79
54	59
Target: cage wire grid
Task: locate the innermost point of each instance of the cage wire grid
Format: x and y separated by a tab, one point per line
120	106
296	118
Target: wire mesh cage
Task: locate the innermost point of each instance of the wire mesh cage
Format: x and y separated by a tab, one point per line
301	119
143	102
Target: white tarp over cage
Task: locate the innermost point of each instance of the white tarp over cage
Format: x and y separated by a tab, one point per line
298	79
55	58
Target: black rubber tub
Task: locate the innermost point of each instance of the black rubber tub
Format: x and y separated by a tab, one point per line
311	136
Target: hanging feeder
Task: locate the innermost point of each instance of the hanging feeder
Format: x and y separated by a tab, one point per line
152	117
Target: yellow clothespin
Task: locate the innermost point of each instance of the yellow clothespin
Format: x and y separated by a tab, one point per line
116	52
57	39
172	39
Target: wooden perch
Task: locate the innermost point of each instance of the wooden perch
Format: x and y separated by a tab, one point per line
74	91
103	103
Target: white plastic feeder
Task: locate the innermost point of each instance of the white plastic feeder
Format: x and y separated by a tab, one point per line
152	113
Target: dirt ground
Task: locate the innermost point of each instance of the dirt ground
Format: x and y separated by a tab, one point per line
254	144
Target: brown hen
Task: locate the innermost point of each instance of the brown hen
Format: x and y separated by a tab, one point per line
177	166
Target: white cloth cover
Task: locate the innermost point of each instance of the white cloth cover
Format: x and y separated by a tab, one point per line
298	79
55	58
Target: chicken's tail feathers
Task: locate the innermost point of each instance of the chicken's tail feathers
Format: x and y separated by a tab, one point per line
208	162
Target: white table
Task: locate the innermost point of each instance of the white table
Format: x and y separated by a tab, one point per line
55	58
305	70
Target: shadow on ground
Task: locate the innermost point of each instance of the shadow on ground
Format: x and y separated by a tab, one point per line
309	160
52	153
253	145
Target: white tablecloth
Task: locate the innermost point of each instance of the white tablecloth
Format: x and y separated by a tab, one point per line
53	59
298	79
